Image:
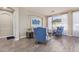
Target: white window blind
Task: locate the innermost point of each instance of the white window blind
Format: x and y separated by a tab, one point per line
76	23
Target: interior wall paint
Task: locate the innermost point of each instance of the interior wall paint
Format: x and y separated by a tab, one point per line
44	21
25	21
70	24
16	23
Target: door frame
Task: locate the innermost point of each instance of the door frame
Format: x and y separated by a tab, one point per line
12	23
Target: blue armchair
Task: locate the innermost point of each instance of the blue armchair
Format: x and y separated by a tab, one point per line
58	32
40	34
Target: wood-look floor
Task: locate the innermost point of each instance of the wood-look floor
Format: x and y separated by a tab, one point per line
63	44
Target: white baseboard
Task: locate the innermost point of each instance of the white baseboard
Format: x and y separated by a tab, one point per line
22	37
6	36
70	35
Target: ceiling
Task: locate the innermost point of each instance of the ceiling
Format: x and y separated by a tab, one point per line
8	9
46	11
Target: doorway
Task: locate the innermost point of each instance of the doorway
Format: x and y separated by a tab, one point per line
6	24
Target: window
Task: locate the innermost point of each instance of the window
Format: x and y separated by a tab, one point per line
61	20
76	23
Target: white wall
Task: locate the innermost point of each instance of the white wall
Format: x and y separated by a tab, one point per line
6	28
45	21
16	23
25	20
